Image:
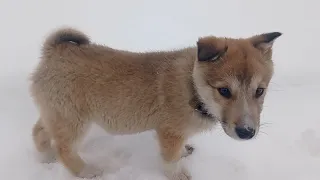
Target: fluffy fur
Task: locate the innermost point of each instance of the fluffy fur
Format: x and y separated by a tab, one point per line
78	83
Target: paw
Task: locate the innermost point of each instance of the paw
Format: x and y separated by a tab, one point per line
182	175
90	171
176	171
187	151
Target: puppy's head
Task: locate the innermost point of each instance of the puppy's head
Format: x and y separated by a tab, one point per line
231	77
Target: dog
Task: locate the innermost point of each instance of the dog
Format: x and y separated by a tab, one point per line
177	93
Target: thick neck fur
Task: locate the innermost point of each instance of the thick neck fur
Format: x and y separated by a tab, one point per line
175	75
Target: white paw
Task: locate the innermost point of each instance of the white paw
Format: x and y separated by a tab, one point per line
90	171
176	171
182	175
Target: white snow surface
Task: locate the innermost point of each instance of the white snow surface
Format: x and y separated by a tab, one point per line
289	144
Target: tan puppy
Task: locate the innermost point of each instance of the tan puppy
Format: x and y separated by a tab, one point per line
176	93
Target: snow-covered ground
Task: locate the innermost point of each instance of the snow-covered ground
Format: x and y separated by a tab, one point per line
288	147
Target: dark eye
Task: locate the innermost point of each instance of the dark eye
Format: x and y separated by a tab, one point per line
259	92
225	92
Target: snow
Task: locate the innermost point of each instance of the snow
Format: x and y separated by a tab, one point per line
288	147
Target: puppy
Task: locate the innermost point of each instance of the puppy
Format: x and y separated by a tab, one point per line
176	93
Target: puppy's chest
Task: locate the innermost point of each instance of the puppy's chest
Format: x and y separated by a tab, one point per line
198	123
200	118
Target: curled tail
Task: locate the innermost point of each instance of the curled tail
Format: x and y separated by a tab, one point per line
66	35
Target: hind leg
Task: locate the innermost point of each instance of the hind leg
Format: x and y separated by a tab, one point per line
42	141
67	134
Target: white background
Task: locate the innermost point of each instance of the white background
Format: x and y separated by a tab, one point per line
289	148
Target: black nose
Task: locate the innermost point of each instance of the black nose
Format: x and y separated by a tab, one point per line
245	133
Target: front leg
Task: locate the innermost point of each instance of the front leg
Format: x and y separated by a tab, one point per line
172	147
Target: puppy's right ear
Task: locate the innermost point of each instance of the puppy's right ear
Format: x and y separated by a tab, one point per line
210	49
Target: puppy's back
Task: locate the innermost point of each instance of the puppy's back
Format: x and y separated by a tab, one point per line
77	75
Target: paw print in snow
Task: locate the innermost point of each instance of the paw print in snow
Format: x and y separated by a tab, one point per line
310	142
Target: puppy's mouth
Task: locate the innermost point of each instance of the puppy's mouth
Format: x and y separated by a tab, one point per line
240	133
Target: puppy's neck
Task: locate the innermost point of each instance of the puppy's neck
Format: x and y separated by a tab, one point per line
197	104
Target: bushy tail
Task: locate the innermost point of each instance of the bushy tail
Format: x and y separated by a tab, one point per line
65	35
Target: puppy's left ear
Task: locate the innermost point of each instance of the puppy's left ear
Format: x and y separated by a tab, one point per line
264	42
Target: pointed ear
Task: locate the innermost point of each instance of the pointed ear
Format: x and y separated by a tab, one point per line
210	49
264	42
